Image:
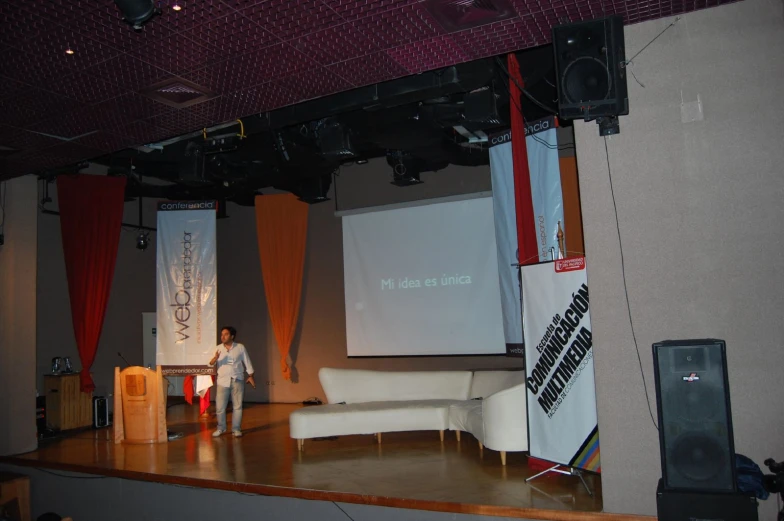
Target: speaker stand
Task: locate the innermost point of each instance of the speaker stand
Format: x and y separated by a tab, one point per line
570	471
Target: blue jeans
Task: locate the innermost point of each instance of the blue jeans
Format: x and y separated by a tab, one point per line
237	391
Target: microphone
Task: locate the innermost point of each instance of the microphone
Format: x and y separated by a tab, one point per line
124	360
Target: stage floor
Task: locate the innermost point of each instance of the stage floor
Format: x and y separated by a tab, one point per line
409	470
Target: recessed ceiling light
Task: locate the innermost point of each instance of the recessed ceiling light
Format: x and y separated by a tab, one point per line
177	7
68	50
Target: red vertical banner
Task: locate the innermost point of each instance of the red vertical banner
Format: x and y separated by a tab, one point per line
528	252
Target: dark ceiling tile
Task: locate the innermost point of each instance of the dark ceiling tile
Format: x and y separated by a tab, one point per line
494	39
68	125
367	70
399	26
351	10
31	105
273	96
50	59
191	13
229	36
88	92
335	44
18	24
20	139
288	19
122	111
9	87
253	68
427	55
127	72
314	84
172	53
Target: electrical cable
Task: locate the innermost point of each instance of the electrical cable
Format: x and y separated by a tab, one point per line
625	289
524	91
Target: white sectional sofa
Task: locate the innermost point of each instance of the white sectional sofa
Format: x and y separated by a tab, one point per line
491	405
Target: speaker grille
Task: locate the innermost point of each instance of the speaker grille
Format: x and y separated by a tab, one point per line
586	79
695	422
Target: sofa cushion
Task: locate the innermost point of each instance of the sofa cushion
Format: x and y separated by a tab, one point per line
485	383
369	418
357	385
467	417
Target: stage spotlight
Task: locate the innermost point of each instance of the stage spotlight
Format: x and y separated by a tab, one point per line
142	240
405	169
137	12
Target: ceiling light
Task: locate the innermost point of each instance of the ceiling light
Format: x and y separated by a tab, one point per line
68	50
177	7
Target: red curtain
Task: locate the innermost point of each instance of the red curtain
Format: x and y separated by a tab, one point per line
528	251
282	230
91	211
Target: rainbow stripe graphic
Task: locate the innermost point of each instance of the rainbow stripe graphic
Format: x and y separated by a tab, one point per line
587	457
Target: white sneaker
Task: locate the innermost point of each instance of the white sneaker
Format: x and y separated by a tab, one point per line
217	433
237	434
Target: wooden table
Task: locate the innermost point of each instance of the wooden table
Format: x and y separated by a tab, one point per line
67	407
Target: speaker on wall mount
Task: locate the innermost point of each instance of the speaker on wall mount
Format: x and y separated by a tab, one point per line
695	419
590	70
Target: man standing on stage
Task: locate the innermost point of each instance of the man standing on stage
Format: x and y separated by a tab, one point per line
233	361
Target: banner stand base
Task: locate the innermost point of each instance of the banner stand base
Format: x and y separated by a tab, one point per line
568	472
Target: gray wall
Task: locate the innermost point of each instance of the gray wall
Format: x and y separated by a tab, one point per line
700	212
320	339
17	316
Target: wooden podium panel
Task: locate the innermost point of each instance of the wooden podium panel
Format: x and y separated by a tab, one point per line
139	406
15	495
67	407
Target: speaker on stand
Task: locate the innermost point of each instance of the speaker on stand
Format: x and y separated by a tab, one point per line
590	66
695	434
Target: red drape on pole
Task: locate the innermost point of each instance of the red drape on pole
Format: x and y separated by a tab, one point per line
528	251
91	211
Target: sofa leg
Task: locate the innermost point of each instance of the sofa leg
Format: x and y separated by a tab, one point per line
457	433
378	437
503	457
442	435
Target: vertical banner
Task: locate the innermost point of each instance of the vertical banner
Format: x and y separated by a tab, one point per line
546	193
547	199
559	364
187	290
503	182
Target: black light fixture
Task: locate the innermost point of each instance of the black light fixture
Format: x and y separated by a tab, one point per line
405	169
142	240
137	12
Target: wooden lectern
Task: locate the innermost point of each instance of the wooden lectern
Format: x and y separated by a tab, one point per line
139	406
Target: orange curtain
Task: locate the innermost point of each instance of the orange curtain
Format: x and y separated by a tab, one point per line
282	230
573	221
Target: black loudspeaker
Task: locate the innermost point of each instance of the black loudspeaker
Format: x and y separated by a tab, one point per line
673	505
100	412
590	70
695	419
